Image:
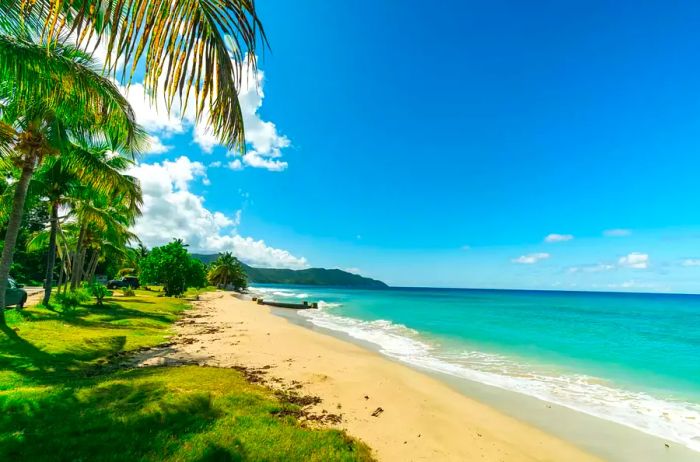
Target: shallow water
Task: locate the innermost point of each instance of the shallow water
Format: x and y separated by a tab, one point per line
633	359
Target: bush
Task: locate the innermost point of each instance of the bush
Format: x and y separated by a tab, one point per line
72	299
174	268
99	291
128	292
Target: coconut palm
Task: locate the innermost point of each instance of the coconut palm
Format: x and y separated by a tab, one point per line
226	271
62	178
53	96
104	225
191	51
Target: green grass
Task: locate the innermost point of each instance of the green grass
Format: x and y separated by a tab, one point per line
61	400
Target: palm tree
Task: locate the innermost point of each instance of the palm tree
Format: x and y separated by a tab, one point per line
226	270
41	87
62	178
192	51
104	222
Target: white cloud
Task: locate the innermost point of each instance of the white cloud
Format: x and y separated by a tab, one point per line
352	270
634	260
156	146
558	237
235	164
171	210
617	232
261	135
531	258
257	253
256	160
632	284
595	268
153	117
215	164
691	262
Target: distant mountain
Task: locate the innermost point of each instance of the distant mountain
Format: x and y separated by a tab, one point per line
311	276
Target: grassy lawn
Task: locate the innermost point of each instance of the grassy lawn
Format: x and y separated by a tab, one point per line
59	400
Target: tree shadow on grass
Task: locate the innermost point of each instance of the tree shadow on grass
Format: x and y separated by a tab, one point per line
23	347
107	420
23	357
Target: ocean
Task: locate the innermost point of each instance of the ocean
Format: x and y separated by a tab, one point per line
633	359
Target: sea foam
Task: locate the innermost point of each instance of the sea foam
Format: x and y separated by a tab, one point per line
673	420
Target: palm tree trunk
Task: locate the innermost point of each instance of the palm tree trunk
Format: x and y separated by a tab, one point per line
77	267
61	273
81	265
89	268
51	258
91	274
13	224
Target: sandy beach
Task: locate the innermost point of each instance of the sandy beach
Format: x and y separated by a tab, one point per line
400	413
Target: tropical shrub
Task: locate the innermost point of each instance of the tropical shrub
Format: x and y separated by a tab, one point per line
71	299
98	291
197	274
173	268
128	292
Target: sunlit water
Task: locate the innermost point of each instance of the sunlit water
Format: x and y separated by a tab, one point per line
630	358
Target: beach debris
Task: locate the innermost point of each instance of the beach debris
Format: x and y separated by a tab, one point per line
366	397
377	412
667	445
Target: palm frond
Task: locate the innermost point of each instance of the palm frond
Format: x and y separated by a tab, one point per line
187	46
8	137
104	176
38	78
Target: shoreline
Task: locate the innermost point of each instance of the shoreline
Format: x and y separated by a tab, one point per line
401	413
597	436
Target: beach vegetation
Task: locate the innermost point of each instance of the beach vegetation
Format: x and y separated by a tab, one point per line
226	271
42	84
173	268
67	389
98	291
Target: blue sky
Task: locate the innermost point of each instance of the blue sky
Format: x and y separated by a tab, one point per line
440	146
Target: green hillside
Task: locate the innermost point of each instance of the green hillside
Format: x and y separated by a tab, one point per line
311	276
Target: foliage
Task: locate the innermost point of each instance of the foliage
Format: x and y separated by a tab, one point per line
29	264
99	291
42	85
128	292
126	272
172	267
58	386
194	53
197	274
70	300
227	271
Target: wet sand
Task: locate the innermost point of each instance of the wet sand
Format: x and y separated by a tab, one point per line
401	413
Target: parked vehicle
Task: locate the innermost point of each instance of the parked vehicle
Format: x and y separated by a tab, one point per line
126	281
15	294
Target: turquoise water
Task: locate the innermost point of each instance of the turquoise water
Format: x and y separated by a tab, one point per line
630	358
